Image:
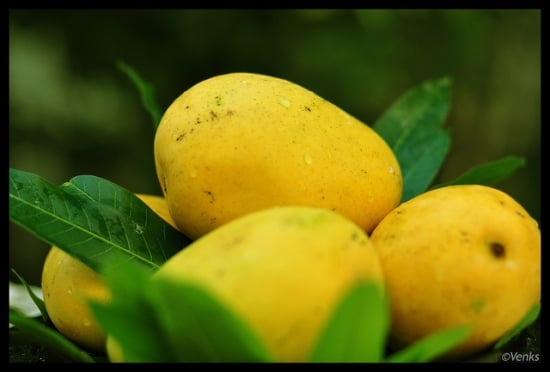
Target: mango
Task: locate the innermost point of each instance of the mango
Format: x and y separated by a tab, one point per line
241	142
282	270
459	255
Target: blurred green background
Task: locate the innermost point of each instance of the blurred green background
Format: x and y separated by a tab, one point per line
72	111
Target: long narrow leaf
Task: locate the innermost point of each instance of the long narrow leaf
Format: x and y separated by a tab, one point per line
488	174
94	232
34	331
525	322
35	299
146	91
431	347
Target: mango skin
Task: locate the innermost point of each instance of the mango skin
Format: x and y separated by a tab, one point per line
69	284
465	254
241	142
282	270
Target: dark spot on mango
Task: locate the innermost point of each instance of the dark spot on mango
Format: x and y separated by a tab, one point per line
213	114
497	249
180	137
210	194
307	109
230	112
520	214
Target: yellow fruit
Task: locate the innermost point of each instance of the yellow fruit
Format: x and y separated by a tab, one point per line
459	255
241	142
68	285
282	270
159	206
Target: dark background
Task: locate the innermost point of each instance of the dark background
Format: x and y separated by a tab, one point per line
72	111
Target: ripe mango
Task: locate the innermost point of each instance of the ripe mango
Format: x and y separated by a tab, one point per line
459	255
241	142
282	270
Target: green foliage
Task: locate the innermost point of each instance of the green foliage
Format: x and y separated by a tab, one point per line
92	219
129	318
358	329
525	322
432	346
412	127
488	174
145	90
164	321
35	299
39	333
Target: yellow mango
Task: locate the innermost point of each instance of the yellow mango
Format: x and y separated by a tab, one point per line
459	255
282	270
241	142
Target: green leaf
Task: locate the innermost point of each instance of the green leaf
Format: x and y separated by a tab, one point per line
525	322
428	154
92	219
431	347
412	127
358	328
38	333
131	318
201	328
488	174
161	320
146	91
35	299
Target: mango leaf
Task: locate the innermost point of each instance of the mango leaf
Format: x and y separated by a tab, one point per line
358	329
36	332
431	347
412	127
202	329
525	322
146	91
488	174
130	318
38	302
92	219
161	320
